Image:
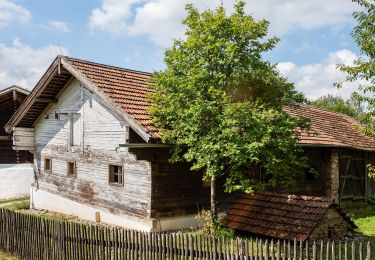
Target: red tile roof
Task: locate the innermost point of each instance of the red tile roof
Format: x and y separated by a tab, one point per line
129	90
331	129
278	216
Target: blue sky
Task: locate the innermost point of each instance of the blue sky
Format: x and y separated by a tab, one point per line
315	36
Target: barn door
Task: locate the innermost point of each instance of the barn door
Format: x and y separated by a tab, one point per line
352	178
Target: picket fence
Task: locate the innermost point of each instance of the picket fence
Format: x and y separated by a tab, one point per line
32	237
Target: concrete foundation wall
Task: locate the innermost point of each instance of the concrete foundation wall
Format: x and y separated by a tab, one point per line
15	180
44	200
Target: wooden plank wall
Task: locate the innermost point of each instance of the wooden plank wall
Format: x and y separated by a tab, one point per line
102	133
7	154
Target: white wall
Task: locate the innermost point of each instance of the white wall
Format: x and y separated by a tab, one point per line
15	180
103	132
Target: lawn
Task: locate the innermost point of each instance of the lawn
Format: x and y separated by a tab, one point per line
363	216
5	256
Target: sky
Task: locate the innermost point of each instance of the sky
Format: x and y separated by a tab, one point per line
315	36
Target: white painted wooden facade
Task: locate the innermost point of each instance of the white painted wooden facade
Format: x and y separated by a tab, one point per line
101	132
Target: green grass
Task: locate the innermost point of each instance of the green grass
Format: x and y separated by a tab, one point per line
4	201
5	256
363	216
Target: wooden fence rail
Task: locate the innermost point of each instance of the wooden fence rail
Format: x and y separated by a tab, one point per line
32	237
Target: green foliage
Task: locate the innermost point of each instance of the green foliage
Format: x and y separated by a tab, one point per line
352	107
220	104
363	68
211	226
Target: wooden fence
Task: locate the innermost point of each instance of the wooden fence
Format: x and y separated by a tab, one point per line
33	237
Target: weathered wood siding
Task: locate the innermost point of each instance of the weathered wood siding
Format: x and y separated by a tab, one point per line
102	133
7	154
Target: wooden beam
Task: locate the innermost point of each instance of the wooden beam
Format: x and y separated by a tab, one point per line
46	100
30	100
5	137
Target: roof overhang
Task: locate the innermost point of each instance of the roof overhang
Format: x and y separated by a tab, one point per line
39	95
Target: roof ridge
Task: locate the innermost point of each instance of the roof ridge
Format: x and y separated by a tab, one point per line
19	88
329	111
294	196
108	66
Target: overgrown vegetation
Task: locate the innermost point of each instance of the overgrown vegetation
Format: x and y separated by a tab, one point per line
352	107
212	226
220	104
363	69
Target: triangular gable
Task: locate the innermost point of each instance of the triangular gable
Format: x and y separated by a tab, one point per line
52	82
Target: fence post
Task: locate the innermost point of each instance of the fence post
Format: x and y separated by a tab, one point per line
368	250
353	250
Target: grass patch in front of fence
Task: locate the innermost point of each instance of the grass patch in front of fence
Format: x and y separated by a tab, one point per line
6	201
363	216
5	256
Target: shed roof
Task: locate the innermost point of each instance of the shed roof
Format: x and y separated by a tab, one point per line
7	93
127	90
279	216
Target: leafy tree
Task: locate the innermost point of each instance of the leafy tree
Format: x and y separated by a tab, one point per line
220	104
352	107
364	67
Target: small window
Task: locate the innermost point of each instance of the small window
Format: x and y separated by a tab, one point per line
311	174
47	165
116	175
57	115
72	170
331	232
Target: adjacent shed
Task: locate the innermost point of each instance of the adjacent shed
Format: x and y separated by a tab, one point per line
10	100
288	217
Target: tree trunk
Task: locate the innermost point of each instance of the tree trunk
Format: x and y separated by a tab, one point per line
213	198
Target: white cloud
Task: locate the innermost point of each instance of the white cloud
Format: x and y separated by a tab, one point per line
317	79
23	65
59	26
12	12
161	19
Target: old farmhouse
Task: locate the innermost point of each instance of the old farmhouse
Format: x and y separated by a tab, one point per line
97	155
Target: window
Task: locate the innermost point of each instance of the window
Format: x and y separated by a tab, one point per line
57	115
310	174
47	165
116	175
75	129
331	232
72	171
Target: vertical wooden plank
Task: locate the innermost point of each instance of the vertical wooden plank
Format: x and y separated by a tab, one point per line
369	250
340	248
295	249
191	245
333	250
327	252
278	257
314	250
321	249
360	251
300	250
353	250
346	250
289	250
307	246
